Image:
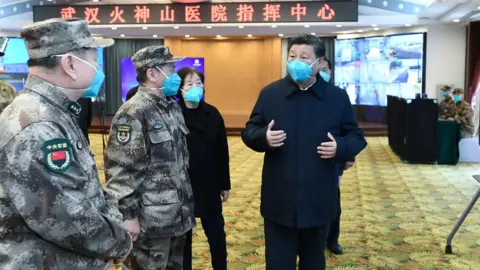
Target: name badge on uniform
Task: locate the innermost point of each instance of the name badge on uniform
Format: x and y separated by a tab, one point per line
157	126
57	154
74	108
124	134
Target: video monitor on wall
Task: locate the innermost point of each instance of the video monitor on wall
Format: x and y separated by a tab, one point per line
13	65
371	68
129	74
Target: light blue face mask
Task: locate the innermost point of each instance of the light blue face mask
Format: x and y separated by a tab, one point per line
193	95
458	98
97	81
325	76
171	84
300	71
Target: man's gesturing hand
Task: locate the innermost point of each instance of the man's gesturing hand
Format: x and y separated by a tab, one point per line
133	228
275	138
328	149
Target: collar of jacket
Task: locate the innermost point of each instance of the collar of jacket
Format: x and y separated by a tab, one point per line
157	98
318	87
54	94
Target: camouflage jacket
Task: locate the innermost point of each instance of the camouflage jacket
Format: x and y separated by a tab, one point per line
446	108
146	163
54	213
464	116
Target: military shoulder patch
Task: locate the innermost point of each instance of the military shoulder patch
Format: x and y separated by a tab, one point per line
58	154
124	134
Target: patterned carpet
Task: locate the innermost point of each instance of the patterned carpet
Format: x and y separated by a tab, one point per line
395	216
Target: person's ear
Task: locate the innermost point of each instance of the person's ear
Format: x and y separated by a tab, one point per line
67	64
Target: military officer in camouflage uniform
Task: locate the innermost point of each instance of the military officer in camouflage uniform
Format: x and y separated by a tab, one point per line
463	114
446	108
146	163
7	94
54	213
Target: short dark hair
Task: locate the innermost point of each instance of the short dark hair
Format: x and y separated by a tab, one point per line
329	64
53	61
183	73
142	75
306	39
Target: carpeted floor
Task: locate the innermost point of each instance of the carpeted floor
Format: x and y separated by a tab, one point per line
395	216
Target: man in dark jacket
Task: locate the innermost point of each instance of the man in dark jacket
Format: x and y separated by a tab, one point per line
85	116
300	171
131	92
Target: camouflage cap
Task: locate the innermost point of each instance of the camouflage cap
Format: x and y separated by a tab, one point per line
457	91
59	36
154	56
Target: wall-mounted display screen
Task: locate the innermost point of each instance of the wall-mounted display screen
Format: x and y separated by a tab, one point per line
129	74
371	68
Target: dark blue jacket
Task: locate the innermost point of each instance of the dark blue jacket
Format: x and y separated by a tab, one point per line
300	189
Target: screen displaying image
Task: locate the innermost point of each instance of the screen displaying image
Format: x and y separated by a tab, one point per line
387	65
129	74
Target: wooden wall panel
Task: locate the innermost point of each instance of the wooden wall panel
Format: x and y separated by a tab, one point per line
235	71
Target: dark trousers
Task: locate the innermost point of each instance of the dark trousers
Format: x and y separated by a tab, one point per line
284	244
214	228
334	232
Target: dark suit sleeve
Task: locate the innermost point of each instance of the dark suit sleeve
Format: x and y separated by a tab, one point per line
351	141
90	113
255	133
222	148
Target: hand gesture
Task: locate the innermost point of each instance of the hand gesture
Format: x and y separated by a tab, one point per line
224	194
349	165
328	150
275	138
133	228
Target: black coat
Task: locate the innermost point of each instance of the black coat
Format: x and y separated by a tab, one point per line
299	188
209	161
85	116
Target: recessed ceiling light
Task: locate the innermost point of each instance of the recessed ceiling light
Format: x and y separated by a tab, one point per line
360	31
219	36
376	29
273	26
122	35
313	34
96	0
187	36
339	25
408	25
478	7
385	3
155	36
374	25
240	26
416	10
400	6
114	28
456	20
280	35
176	27
209	27
306	25
249	35
144	28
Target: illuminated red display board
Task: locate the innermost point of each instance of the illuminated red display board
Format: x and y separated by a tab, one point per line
249	12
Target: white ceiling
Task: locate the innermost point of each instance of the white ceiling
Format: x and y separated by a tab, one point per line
435	11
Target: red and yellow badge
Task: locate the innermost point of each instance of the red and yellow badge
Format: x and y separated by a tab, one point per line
57	154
